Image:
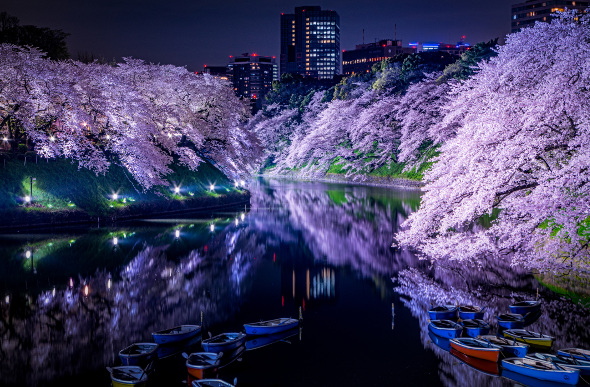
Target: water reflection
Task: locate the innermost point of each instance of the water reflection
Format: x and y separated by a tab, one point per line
78	298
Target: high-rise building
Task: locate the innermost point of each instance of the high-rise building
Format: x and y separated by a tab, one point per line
527	13
252	76
364	56
310	42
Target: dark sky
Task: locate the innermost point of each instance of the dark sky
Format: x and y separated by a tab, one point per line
194	32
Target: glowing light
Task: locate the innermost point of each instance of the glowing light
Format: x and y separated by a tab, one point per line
212	227
52	139
115	196
242	183
7	299
176	190
4	139
236	221
27	199
109	284
177	233
115	241
71	282
236	183
53	292
28	254
108	136
86	290
212	187
242	216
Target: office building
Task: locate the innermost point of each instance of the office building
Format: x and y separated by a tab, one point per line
527	13
310	43
364	56
455	49
252	76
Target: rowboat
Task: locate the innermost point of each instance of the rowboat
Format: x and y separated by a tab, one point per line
524	380
511	320
139	354
128	376
176	334
445	328
532	317
211	383
524	307
441	342
169	350
224	342
543	370
470	312
262	341
578	353
487	367
571	362
271	326
475	327
476	348
531	338
508	348
443	312
197	363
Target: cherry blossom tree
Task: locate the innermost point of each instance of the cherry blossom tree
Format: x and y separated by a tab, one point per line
520	156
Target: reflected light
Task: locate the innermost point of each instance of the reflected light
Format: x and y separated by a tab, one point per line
7	299
109	284
242	217
52	139
28	254
86	290
236	221
177	233
212	227
115	241
53	292
71	282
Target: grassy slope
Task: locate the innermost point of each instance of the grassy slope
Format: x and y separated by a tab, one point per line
60	185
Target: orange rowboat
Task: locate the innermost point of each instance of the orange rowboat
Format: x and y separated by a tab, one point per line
476	348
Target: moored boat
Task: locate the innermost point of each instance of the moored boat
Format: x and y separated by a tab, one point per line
470	312
534	339
270	326
578	353
445	328
487	367
197	363
441	342
476	348
543	370
262	341
508	348
528	381
139	354
211	383
475	327
443	312
176	334
128	376
224	342
511	320
571	362
524	307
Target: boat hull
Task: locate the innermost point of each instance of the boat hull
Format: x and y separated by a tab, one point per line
506	349
224	346
441	342
538	342
532	306
129	358
581	354
450	313
128	376
482	328
488	354
449	333
567	376
283	325
488	367
511	324
171	338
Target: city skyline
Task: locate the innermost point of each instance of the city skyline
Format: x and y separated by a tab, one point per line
194	35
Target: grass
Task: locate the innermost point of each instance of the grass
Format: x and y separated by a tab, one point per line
60	186
574	287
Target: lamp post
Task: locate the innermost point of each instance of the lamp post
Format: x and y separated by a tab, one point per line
32	179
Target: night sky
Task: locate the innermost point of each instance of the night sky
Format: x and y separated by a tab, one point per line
194	32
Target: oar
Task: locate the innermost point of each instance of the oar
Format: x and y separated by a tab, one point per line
185	355
555	364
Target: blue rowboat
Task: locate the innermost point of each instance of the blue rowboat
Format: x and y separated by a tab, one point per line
511	320
508	348
470	312
532	317
224	342
443	312
445	328
527	380
571	362
211	383
271	326
262	341
176	334
524	307
475	327
441	342
139	354
541	369
578	353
